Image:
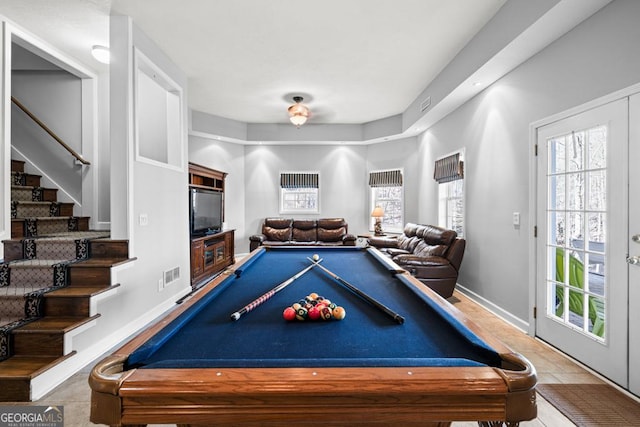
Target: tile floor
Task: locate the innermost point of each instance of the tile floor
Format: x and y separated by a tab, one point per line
552	367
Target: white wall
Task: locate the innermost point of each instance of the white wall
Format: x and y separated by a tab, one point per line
139	187
343	177
596	58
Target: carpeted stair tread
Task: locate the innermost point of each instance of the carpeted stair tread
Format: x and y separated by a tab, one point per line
72	235
55	248
7	320
38	273
37	209
19	291
11	304
29	193
51	218
36	263
37	203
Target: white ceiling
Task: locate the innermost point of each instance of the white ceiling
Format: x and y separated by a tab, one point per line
354	61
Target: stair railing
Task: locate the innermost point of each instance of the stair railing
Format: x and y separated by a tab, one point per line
77	156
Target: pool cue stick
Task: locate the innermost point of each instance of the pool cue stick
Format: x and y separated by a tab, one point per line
256	302
395	316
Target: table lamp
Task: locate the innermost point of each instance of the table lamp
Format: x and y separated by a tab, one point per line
377	213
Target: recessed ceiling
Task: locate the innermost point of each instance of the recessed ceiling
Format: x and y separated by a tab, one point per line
353	61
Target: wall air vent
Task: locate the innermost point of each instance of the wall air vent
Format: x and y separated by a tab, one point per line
425	104
171	276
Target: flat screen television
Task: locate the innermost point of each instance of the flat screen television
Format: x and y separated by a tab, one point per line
205	211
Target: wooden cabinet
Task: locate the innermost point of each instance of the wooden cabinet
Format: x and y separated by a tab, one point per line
203	177
211	253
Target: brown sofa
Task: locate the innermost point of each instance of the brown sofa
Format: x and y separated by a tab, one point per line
303	232
432	254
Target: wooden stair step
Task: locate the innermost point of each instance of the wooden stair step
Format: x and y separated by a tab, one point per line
13	249
73	300
17	165
17	372
93	271
100	262
60	324
24	366
80	291
46	336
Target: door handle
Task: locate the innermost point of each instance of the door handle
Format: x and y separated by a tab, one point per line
634	260
636	238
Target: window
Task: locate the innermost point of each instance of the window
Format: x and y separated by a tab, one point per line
449	173
387	192
299	192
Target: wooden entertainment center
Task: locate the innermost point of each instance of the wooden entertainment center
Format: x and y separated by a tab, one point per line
213	252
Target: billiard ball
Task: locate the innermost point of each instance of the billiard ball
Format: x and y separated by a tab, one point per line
315	257
289	314
302	313
314	313
339	313
325	313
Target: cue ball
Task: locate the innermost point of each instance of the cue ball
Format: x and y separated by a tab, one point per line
315	257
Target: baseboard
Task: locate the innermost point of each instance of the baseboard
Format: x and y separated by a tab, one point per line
494	309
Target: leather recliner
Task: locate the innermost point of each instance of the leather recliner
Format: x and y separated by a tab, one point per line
431	254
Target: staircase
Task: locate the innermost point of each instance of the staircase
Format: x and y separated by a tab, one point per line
54	268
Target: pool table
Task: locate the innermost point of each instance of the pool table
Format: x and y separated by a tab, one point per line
197	366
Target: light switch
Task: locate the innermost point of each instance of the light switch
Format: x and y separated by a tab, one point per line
143	219
516	218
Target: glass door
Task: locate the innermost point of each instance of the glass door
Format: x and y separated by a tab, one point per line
581	291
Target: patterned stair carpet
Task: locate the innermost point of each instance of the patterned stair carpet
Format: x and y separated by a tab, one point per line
23	283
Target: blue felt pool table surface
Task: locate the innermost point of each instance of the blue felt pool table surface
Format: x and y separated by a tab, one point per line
205	336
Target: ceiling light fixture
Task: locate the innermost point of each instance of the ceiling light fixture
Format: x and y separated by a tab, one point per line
101	54
298	113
